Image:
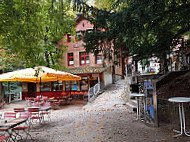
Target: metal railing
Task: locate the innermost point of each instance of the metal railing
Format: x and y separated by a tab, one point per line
93	92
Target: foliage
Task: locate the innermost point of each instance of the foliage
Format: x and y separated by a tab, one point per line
8	61
145	27
31	29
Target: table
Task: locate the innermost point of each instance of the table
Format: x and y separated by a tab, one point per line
137	96
7	125
46	108
180	101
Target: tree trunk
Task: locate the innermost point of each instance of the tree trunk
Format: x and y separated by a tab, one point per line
113	74
163	64
1	88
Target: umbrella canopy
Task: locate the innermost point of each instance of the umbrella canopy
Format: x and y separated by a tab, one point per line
38	74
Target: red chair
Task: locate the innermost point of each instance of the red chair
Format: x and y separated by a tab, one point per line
25	128
35	114
36	99
27	100
46	112
31	98
35	104
19	110
3	138
9	115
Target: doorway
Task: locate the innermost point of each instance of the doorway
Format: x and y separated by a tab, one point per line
31	89
93	82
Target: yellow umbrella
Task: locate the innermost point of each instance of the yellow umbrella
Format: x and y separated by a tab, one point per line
38	74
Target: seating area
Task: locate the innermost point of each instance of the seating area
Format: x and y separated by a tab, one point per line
36	112
16	124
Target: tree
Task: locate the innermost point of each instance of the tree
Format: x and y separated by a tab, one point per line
145	28
31	29
8	61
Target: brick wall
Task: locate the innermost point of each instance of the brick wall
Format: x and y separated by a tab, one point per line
75	46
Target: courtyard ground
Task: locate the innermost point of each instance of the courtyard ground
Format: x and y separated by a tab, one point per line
107	119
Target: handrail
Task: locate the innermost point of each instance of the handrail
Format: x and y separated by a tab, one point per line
93	91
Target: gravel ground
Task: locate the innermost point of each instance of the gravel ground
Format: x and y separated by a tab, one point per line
107	119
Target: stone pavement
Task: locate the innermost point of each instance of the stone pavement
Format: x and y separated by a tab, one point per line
107	119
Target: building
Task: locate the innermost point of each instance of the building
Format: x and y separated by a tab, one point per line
92	69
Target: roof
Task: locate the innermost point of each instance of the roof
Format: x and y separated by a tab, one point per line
87	69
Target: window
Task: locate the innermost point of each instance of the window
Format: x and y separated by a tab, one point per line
57	86
45	86
79	37
74	85
68	37
89	31
84	58
67	85
84	83
70	59
99	59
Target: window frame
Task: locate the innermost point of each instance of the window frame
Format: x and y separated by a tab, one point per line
78	36
96	59
68	37
85	55
69	57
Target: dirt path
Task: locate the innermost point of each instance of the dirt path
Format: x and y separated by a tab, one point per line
107	119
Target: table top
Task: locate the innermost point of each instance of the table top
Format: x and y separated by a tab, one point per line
179	99
11	123
46	108
137	95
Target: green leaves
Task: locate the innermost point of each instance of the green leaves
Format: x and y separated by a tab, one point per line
145	27
32	28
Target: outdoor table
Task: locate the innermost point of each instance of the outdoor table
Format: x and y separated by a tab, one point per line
8	124
180	101
45	108
137	96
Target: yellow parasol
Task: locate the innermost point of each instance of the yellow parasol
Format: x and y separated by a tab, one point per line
38	74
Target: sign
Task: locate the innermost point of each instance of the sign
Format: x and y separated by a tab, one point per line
150	106
148	84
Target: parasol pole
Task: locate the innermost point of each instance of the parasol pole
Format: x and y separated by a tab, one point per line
40	87
70	88
9	93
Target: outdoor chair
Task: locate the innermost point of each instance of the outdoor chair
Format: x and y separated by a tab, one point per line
35	114
4	138
46	113
45	99
37	100
85	97
27	101
26	127
35	104
9	115
31	99
19	110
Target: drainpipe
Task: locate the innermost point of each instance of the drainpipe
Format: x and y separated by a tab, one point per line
99	81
